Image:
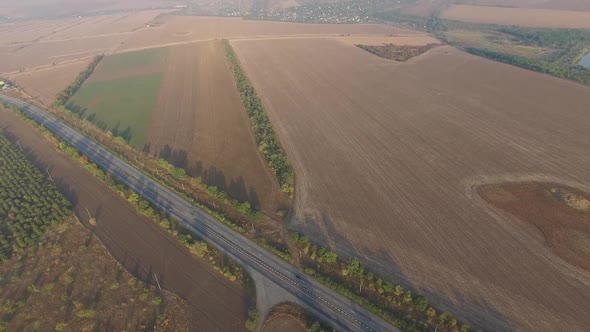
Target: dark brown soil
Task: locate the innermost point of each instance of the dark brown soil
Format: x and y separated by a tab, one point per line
560	213
135	241
283	323
397	53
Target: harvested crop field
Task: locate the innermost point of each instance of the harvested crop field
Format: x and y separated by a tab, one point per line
170	30
528	17
45	83
199	124
180	103
387	154
142	247
60	8
562	215
31	44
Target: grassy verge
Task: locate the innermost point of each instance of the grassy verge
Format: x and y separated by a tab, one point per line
267	140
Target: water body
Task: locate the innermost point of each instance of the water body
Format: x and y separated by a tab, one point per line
585	60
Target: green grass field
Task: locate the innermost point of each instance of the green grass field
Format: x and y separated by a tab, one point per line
132	60
122	105
493	41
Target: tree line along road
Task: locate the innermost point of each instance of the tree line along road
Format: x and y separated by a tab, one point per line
329	306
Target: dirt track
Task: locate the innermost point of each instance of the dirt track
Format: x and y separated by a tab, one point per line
138	244
199	123
386	155
179	29
44	84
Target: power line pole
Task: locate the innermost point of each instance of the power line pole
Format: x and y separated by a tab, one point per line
157	282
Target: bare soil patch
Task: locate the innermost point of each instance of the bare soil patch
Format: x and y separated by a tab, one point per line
136	242
199	124
384	153
560	213
396	52
528	17
45	83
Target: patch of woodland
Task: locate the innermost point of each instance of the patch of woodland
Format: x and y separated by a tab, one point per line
397	52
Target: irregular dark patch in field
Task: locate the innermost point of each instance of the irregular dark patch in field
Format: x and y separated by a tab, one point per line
397	53
560	213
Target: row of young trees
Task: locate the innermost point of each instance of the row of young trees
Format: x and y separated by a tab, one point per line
267	140
29	203
62	98
399	306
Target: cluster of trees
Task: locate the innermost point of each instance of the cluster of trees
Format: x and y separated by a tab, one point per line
559	69
408	311
547	37
305	247
267	140
29	203
62	98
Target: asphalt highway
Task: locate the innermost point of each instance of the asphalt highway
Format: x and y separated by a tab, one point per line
328	305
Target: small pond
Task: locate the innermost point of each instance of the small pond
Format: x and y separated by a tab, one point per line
585	60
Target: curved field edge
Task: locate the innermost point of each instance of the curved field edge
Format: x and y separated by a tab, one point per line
268	142
560	213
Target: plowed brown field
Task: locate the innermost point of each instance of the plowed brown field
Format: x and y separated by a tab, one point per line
387	155
45	83
142	247
185	29
529	17
32	44
53	8
199	124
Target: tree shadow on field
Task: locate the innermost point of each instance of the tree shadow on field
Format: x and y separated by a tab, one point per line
477	312
78	110
117	132
211	175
